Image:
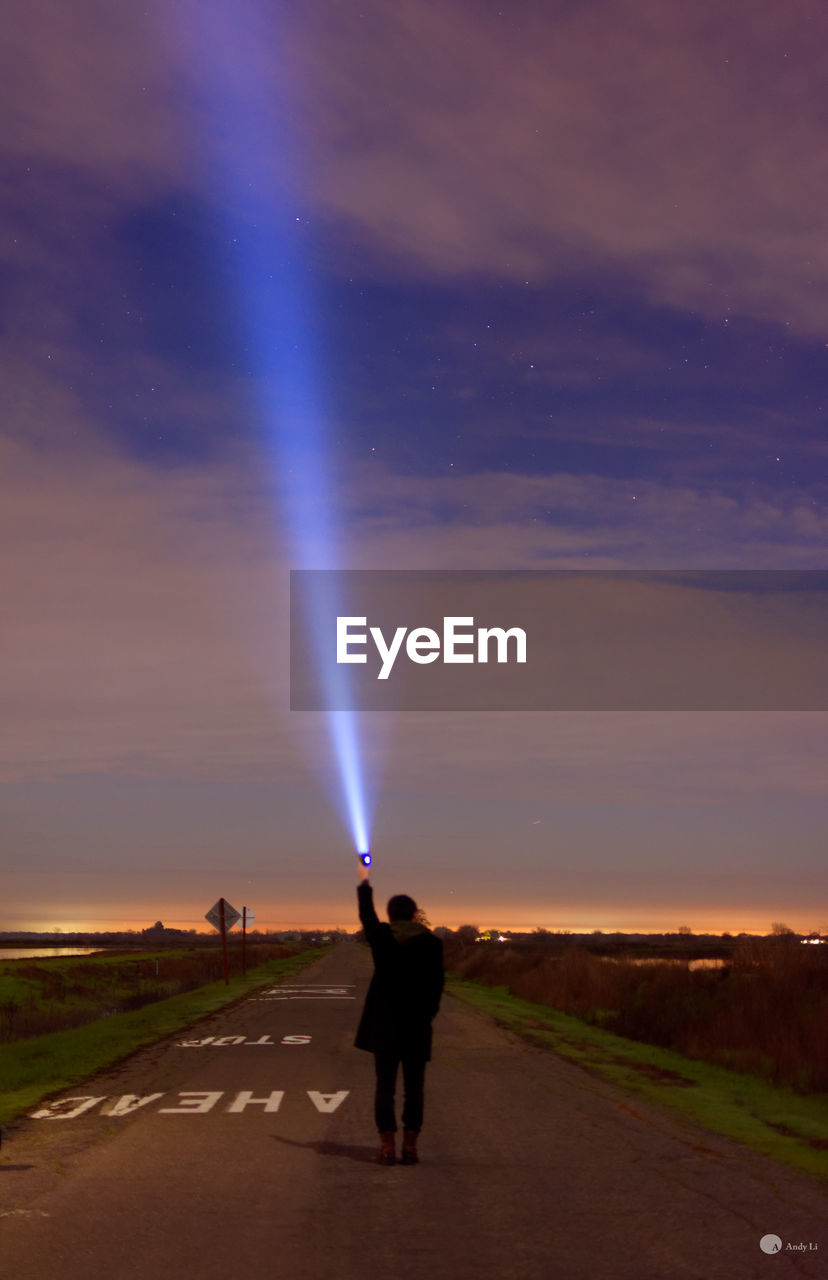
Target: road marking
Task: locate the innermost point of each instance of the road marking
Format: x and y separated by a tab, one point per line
51	1113
315	988
245	1099
190	1103
327	1102
222	1042
194	1103
307	991
130	1102
306	997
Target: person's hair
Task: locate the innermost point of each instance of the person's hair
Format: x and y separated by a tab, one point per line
401	907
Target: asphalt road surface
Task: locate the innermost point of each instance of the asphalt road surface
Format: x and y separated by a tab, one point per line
245	1146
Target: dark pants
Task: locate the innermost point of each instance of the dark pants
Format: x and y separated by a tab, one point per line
413	1080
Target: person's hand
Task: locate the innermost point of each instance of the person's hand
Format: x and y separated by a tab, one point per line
363	872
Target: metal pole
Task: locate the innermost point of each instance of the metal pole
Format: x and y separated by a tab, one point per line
244	939
224	942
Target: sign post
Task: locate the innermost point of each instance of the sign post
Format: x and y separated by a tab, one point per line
247	918
222	917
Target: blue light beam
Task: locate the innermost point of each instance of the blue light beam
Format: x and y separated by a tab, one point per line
251	151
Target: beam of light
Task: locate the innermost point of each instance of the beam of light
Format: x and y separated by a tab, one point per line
288	376
252	156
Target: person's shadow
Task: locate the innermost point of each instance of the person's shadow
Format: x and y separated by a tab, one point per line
365	1155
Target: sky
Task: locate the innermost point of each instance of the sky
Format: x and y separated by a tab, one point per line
430	285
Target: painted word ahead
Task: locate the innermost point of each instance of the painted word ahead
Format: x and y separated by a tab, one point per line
188	1102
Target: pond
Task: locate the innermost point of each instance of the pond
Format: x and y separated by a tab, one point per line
39	953
690	964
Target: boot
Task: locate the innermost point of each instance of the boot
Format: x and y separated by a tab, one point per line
386	1151
409	1147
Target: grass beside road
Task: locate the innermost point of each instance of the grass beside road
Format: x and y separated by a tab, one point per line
34	1069
57	993
777	1122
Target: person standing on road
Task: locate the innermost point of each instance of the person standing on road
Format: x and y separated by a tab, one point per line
402	1000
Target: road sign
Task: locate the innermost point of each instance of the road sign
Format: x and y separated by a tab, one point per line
248	916
231	915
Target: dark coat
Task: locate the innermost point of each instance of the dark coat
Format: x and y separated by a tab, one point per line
405	990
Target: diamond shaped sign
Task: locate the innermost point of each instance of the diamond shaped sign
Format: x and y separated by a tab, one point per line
231	915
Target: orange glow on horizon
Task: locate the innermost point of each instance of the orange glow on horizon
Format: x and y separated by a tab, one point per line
583	921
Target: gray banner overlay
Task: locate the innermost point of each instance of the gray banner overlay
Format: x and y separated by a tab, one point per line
559	640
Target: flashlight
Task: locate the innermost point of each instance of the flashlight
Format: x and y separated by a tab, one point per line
365	859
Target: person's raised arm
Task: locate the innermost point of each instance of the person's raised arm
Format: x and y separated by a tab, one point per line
365	896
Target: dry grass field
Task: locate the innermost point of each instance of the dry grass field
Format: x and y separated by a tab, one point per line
764	1011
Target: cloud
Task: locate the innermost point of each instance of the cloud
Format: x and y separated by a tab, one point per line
497	520
144	640
679	144
146	627
91	88
141	612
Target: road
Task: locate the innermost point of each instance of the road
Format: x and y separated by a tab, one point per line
245	1145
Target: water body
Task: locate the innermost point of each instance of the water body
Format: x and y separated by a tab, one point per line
38	953
673	960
